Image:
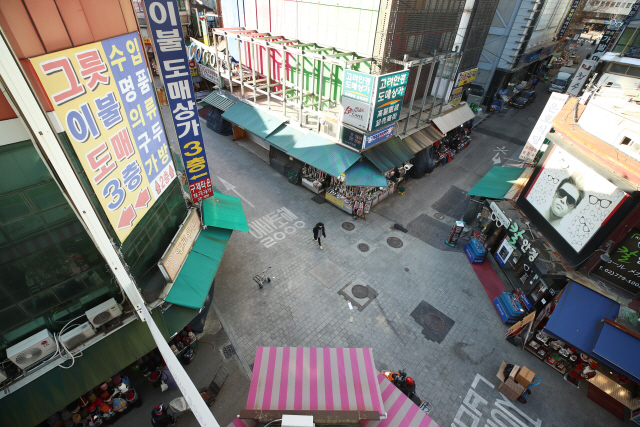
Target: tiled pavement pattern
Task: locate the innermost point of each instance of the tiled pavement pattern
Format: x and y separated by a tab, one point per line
302	307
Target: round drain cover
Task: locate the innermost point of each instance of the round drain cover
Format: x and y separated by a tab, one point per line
438	216
360	291
394	242
435	322
348	226
363	247
406	269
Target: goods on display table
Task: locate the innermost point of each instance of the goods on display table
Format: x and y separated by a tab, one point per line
509	307
453	142
313	179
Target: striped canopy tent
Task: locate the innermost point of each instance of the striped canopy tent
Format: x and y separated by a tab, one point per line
321	380
401	411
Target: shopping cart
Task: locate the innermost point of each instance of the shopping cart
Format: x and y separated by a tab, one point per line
262	278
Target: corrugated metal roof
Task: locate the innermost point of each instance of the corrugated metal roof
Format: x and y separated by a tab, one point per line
216	100
389	154
323	154
364	174
285	137
454	117
422	139
253	119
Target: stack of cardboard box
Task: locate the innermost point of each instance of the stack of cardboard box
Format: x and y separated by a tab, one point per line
518	380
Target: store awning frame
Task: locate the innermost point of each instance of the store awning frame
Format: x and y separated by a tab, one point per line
497	182
453	118
422	139
252	119
323	154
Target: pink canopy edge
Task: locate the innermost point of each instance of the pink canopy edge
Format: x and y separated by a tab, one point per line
237	422
401	411
303	378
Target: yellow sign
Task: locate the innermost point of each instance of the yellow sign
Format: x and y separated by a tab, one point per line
177	253
104	97
334	200
146	41
467	77
456	96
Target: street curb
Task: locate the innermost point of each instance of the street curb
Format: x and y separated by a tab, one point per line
245	365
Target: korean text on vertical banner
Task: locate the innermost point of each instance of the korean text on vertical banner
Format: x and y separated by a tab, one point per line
389	91
543	126
166	31
103	95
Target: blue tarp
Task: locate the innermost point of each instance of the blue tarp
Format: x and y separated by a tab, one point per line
577	316
620	350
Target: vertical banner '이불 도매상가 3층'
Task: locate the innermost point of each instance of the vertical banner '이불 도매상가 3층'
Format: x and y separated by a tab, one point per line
103	95
165	30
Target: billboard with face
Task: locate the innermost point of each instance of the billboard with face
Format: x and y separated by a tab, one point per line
572	198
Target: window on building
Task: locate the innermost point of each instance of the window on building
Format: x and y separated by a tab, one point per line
618	68
618	4
626	141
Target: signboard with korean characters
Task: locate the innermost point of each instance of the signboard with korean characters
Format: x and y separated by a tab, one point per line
389	91
358	86
351	138
466	77
165	30
543	126
456	96
378	136
567	20
102	94
623	270
580	77
355	113
180	247
210	74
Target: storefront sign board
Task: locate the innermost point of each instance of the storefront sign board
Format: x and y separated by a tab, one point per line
103	96
607	37
389	91
355	113
466	77
164	25
515	234
333	199
624	269
580	77
210	74
358	86
504	252
378	136
178	251
499	215
567	20
543	126
351	138
456	96
146	41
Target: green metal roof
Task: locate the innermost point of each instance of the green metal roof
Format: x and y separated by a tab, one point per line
389	154
285	137
252	119
216	100
364	174
496	183
192	285
224	211
323	154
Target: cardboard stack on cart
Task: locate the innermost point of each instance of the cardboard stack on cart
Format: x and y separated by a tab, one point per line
519	379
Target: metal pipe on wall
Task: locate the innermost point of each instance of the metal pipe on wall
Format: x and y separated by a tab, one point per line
284	81
437	85
426	88
240	68
413	97
226	38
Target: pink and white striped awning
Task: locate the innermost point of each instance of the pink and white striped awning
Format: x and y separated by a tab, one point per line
401	411
240	422
317	379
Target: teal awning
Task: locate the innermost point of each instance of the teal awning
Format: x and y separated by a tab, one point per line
389	154
496	183
216	99
285	137
252	119
323	154
224	211
192	285
364	174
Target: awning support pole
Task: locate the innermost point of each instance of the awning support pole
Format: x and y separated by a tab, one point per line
448	82
437	85
253	70
300	89
426	90
215	46
413	97
240	68
268	78
226	37
284	81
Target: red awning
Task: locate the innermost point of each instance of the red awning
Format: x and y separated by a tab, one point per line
401	411
317	379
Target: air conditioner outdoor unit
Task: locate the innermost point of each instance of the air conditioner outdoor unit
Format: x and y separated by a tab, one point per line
101	314
77	335
32	350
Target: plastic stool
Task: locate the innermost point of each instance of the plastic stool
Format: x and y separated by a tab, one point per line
401	190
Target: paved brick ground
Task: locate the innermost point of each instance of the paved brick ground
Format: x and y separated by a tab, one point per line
302	307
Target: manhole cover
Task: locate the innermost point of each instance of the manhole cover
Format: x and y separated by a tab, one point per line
363	247
394	242
438	216
435	322
228	351
348	226
360	291
406	269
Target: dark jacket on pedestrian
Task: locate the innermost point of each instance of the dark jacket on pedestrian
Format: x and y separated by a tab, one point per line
317	231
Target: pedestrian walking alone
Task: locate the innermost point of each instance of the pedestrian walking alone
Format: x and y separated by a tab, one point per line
535	82
318	231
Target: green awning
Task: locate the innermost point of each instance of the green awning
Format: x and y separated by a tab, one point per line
49	393
196	276
496	183
215	99
389	154
285	137
224	212
177	317
323	154
364	174
253	119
